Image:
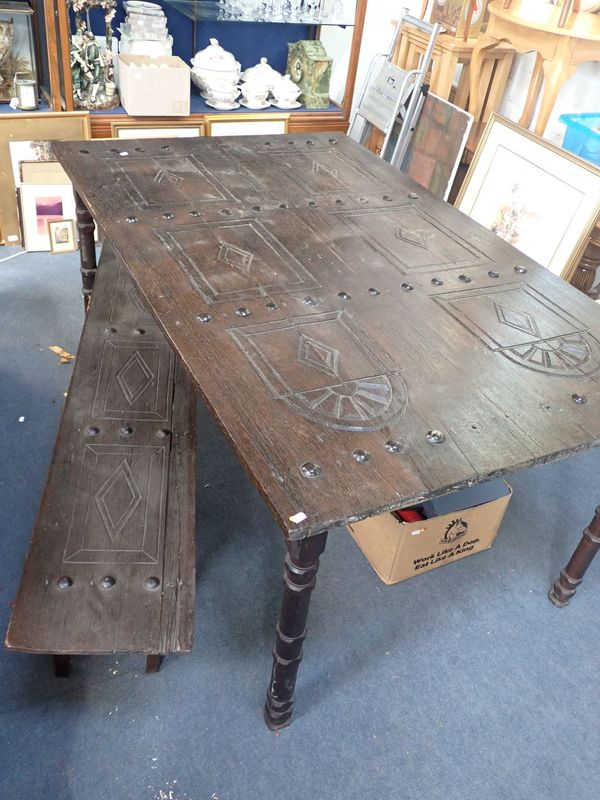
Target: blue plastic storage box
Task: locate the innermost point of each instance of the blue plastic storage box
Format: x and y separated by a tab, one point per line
582	136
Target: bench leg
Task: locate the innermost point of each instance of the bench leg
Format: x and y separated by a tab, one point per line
299	578
153	662
572	575
87	249
62	666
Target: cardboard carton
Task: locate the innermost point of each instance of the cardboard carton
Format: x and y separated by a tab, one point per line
398	550
155	87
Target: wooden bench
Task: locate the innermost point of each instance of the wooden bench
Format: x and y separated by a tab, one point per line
111	563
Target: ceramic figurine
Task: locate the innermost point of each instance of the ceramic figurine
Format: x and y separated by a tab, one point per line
92	66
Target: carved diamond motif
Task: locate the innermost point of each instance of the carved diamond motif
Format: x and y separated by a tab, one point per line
137	302
418	238
520	320
117	499
134	377
235	257
163	175
318	355
322	168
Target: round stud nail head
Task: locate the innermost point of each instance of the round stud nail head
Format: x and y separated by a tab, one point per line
93	431
310	470
152	583
243	311
437	281
373	291
64	582
520	269
580	399
393	446
204	317
107	582
413	196
361	456
435	437
408	287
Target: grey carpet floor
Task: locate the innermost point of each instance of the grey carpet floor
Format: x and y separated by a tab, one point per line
461	683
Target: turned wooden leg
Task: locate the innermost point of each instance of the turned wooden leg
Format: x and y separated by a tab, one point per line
87	249
62	666
153	662
299	578
572	575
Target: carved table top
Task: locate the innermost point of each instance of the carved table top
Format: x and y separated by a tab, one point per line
362	344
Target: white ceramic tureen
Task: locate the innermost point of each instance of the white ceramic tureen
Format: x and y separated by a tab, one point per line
216	73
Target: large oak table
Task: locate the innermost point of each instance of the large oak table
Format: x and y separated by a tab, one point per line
363	345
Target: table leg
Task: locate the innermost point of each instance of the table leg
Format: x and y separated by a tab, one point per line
556	73
299	579
485	42
87	249
572	575
535	84
442	74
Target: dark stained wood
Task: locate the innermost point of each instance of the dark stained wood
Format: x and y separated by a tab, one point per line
62	666
153	662
375	314
572	575
299	579
111	563
87	249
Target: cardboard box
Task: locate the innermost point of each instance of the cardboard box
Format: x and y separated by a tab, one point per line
154	87
399	550
452	16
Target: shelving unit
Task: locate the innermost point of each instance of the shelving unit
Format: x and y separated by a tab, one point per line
192	23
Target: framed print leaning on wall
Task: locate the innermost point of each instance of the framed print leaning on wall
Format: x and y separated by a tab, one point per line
533	194
36	127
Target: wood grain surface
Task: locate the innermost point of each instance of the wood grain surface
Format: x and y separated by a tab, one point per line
363	345
111	563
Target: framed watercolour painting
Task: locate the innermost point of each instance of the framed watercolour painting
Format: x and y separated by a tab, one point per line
61	233
42	204
533	194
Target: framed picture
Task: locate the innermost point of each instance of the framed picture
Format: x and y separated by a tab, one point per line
437	144
61	233
535	195
265	124
27	152
136	130
42	204
35	127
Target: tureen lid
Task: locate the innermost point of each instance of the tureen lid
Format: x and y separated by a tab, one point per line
261	73
214	57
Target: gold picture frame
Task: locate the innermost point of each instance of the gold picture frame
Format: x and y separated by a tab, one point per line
130	129
535	195
61	233
38	126
263	124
